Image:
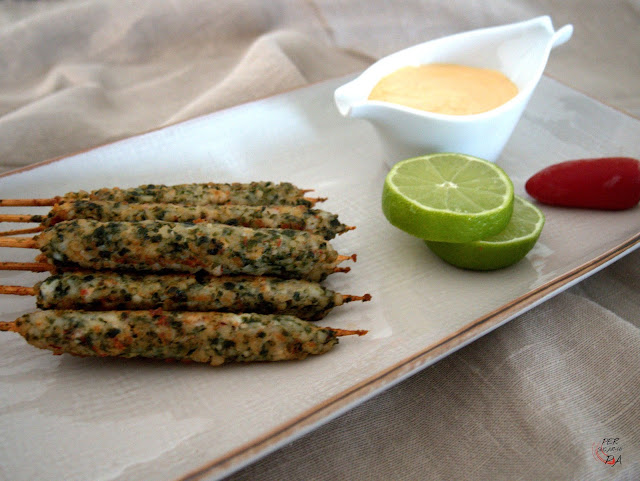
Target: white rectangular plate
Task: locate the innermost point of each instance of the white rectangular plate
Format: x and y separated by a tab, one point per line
75	419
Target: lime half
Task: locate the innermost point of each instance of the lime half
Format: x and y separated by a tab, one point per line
448	197
500	250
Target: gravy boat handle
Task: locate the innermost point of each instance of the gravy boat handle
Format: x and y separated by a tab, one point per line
561	36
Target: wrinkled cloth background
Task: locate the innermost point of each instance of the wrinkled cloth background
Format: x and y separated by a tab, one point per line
526	401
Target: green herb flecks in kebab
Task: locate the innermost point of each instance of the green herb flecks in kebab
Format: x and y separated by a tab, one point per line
296	217
208	337
215	248
105	291
253	193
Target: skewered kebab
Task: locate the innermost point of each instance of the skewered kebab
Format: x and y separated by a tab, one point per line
208	337
106	291
156	246
212	337
254	193
296	217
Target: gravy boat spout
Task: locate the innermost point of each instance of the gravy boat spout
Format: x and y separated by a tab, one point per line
518	50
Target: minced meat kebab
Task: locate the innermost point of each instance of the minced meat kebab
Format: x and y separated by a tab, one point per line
297	217
208	337
215	248
105	291
256	253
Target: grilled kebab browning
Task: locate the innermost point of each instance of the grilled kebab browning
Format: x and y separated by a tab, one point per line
254	193
215	248
208	337
296	217
271	230
105	291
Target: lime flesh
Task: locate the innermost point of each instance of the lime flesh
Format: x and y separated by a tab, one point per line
448	197
500	250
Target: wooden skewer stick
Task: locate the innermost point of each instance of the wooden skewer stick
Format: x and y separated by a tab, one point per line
31	230
313	200
342	269
345	297
26	218
18	290
32	243
54	200
29	243
27	266
44	267
21	218
11	326
346	332
31	291
29	202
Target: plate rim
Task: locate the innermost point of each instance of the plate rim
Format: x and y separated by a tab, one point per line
384	379
381	381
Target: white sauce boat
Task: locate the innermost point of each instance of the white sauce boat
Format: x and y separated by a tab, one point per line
519	50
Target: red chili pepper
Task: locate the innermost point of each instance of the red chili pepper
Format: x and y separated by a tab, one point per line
611	183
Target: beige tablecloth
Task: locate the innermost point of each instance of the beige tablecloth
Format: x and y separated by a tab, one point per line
525	402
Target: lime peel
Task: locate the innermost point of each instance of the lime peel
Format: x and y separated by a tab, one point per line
498	251
409	204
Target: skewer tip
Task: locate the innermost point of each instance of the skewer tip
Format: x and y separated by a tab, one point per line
315	200
347	332
350	298
8	326
342	269
353	257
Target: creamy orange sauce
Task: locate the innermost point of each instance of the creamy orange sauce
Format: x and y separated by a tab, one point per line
445	88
